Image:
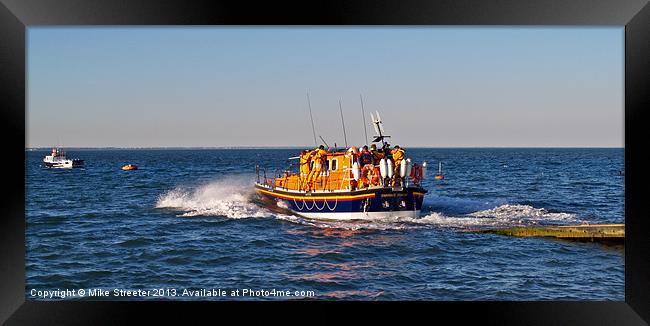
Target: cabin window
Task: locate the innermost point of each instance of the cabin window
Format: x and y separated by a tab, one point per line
334	164
326	166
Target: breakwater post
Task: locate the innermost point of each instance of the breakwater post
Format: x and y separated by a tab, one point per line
584	232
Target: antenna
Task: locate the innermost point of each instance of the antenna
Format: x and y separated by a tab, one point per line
313	130
378	128
374	122
363	115
380	125
321	138
345	137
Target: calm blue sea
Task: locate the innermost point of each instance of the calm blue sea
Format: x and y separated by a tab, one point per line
183	223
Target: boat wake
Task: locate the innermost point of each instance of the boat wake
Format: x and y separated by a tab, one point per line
507	215
233	198
228	198
501	216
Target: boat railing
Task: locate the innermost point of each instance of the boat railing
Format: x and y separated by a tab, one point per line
405	181
346	171
324	180
264	178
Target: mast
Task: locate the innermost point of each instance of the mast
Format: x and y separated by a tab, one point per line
345	137
363	114
324	142
313	130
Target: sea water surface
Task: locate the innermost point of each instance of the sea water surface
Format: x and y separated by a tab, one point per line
184	221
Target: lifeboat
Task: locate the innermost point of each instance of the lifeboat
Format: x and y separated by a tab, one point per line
341	190
130	167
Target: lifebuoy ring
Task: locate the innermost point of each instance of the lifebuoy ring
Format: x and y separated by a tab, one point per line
416	173
375	176
363	176
369	175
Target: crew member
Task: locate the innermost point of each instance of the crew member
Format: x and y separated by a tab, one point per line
353	152
305	164
387	151
365	159
398	155
318	157
376	154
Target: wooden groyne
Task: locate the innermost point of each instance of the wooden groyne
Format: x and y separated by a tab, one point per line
611	233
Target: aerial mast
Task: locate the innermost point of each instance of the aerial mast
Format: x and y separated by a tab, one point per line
345	137
313	130
379	129
363	115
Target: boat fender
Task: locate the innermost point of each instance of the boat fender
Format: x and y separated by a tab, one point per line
402	168
409	166
382	168
355	171
390	167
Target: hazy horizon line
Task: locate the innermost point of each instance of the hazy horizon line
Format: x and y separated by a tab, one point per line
300	147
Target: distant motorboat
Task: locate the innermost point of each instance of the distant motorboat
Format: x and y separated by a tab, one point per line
57	159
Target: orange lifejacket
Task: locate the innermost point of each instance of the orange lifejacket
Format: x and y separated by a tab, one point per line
318	157
305	161
398	155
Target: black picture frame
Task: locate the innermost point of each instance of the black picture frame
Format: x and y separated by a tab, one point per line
17	15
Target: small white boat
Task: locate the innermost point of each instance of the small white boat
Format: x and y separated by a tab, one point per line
57	159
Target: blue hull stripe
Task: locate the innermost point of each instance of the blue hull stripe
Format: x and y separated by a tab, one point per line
383	200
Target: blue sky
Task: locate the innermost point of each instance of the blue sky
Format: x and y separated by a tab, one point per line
246	86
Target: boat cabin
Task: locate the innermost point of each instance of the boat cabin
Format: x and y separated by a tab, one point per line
335	175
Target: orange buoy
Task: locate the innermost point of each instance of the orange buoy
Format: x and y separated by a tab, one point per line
129	167
439	177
